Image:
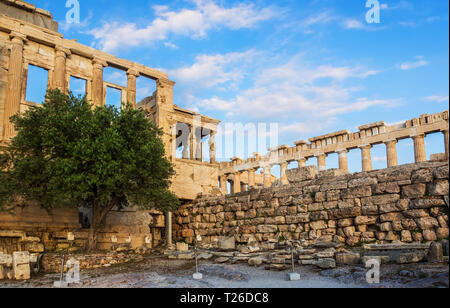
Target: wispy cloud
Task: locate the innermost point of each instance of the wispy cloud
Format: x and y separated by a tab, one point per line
194	23
420	62
437	98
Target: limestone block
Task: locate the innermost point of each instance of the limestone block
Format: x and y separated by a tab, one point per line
414	191
227	243
362	182
348	258
436	253
427	223
439	188
302	174
182	247
325	263
408	258
6	260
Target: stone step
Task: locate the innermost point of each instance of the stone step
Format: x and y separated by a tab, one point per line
380	247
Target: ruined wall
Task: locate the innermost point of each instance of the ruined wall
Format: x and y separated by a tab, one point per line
33	229
407	203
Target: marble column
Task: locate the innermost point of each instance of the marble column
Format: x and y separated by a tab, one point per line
301	162
223	184
366	158
132	75
237	183
321	162
267	177
169	240
419	148
97	81
251	178
14	88
283	176
343	160
391	153
212	147
59	74
446	141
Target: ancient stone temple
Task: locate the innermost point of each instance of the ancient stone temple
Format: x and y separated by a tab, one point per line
401	203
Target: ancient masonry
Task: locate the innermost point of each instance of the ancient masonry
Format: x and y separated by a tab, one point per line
308	205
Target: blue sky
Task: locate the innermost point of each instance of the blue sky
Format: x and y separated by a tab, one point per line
314	67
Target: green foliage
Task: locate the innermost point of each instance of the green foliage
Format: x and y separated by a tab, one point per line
66	153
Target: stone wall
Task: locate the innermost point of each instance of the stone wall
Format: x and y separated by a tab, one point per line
408	203
33	229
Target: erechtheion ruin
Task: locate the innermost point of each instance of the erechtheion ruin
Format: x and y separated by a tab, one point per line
29	36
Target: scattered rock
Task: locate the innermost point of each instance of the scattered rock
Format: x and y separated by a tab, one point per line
325	263
407	258
222	260
436	253
257	261
348	258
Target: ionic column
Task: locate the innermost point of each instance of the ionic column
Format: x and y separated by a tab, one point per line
267	177
391	153
419	148
283	177
237	183
59	74
301	162
14	88
97	81
446	137
321	162
212	147
251	178
366	157
343	161
132	74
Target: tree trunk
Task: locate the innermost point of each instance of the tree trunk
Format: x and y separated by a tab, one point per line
92	238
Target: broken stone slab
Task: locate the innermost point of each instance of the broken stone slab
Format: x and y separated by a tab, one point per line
181	247
325	263
348	258
436	253
257	261
325	254
222	260
408	258
307	262
223	254
204	256
21	265
302	252
380	259
325	245
278	261
396	246
227	243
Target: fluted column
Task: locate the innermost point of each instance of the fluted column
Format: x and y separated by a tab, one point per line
267	177
212	147
301	162
321	162
59	74
169	240
366	158
14	88
223	184
343	161
419	148
237	183
391	153
446	141
97	81
251	178
132	75
283	177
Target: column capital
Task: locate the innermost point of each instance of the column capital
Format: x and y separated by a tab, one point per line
99	62
365	146
62	51
17	37
342	151
391	141
445	130
133	72
322	154
417	136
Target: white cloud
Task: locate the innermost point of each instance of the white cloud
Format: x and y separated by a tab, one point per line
194	23
170	45
213	70
291	93
319	19
420	62
437	98
353	24
380	159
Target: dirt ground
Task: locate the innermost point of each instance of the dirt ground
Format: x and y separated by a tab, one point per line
163	273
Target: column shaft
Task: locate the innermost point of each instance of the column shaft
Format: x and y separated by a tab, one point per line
223	184
343	160
97	82
391	153
419	148
301	162
237	183
267	177
283	177
59	75
366	158
14	89
251	178
212	147
132	74
446	141
321	162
